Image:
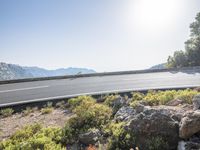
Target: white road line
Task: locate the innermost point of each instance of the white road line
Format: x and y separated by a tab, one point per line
23	89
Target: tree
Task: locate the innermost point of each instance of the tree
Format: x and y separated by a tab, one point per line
191	56
178	60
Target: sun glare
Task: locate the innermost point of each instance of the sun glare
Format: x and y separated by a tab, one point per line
154	14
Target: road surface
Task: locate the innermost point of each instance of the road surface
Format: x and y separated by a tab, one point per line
25	92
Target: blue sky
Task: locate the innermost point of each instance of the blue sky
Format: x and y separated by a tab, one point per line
105	35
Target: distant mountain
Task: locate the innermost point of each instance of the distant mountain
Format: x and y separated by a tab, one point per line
159	66
11	71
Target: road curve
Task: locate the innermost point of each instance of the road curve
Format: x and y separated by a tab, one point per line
26	92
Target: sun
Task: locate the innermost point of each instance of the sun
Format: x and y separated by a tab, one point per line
154	14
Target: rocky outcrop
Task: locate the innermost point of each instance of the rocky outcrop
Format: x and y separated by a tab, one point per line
90	137
153	122
124	113
118	103
190	124
192	144
196	102
175	102
169	123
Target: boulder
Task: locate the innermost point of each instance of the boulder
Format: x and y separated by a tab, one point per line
175	102
90	137
192	144
154	123
139	108
100	100
190	124
196	102
124	113
118	103
197	89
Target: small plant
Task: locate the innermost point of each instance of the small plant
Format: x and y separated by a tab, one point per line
49	104
27	111
61	104
47	110
35	108
7	112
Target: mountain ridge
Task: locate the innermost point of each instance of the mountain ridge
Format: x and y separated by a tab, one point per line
13	71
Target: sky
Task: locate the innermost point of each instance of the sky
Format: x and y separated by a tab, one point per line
104	35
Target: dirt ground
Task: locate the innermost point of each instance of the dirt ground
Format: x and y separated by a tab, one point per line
17	121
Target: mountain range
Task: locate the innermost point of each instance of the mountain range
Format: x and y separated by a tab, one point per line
12	71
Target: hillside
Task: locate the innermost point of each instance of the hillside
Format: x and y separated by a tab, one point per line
12	71
156	120
159	66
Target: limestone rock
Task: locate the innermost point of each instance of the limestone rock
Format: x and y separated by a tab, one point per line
190	124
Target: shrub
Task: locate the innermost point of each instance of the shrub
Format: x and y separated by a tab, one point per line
89	114
69	132
73	102
134	104
186	95
93	114
163	97
119	137
7	112
34	137
109	99
137	96
47	110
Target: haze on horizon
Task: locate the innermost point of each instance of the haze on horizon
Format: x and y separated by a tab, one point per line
105	35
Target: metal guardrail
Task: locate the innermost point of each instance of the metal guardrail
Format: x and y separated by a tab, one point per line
99	74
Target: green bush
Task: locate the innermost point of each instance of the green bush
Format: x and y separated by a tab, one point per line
186	95
134	104
119	137
73	102
92	113
7	112
137	96
159	97
34	137
89	114
163	97
109	99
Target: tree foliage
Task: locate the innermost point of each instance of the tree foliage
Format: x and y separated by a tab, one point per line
191	55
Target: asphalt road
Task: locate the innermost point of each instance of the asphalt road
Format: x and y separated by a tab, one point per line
17	93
